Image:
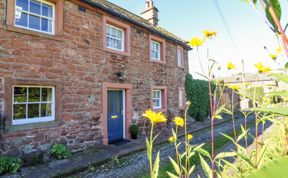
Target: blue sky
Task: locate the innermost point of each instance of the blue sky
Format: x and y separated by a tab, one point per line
188	18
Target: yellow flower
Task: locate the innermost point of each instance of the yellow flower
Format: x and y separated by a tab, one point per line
209	34
172	139
279	50
179	121
234	87
189	137
230	66
273	56
261	68
155	117
196	42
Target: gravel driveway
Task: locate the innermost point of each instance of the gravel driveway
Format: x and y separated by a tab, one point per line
136	165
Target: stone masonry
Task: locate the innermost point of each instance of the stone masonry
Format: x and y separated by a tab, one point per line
76	62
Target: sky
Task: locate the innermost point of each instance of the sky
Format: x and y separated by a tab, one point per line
188	19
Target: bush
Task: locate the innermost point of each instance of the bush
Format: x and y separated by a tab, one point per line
60	151
134	131
197	93
9	164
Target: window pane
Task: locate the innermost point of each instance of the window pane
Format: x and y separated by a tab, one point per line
47	11
33	110
19	111
46	25
46	110
156	103
35	7
23	4
34	95
34	22
46	94
20	94
22	20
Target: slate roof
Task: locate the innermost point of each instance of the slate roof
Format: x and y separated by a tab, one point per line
124	14
248	78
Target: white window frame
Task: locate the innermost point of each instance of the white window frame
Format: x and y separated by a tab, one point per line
33	120
180	55
122	39
160	99
152	50
31	13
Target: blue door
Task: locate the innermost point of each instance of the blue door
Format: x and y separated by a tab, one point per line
115	115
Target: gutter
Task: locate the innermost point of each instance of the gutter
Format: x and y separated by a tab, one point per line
119	15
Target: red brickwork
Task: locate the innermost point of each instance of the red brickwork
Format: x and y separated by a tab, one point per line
77	63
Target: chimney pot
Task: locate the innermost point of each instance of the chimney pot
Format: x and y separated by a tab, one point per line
150	13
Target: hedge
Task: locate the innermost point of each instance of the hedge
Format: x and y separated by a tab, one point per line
197	92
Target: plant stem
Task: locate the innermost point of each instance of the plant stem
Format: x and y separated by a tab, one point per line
256	123
233	118
150	150
177	152
212	126
186	140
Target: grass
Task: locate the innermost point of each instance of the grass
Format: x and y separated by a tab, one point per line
218	143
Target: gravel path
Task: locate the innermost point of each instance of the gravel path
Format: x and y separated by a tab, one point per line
136	164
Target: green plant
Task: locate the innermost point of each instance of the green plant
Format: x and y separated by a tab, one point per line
60	151
259	94
198	93
9	164
134	131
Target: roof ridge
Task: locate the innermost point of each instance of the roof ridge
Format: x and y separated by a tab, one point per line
136	19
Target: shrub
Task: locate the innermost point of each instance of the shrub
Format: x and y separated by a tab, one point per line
134	131
197	92
60	151
9	164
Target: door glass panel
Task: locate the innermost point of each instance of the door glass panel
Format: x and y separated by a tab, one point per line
110	102
117	102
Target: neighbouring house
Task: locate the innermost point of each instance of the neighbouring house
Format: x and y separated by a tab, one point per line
79	72
264	81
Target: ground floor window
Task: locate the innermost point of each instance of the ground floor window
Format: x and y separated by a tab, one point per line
157	99
33	104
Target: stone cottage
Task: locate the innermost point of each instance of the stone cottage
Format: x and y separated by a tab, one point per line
79	72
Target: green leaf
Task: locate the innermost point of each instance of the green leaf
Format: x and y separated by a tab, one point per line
283	111
277	8
278	93
175	166
245	158
261	155
225	155
191	170
156	165
206	167
204	152
281	77
255	2
172	175
243	134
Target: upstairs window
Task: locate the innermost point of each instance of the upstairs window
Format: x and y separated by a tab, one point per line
180	61
35	15
114	38
155	50
33	104
157	99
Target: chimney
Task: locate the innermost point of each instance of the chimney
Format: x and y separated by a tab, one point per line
150	13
